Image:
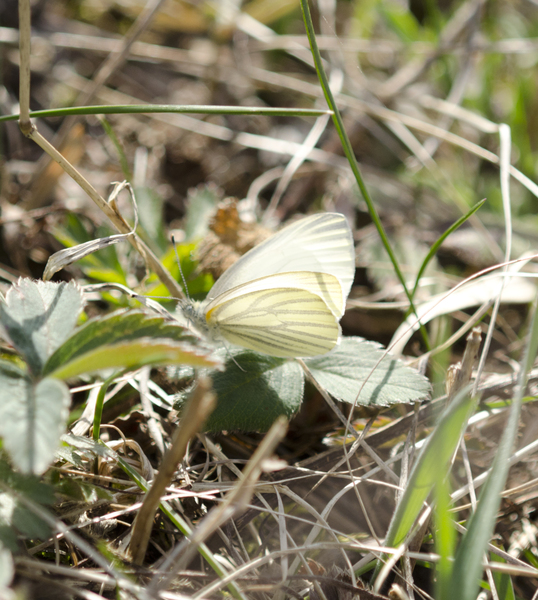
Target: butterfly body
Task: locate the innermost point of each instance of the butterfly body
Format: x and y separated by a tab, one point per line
284	297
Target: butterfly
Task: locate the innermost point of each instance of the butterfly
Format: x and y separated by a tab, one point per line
284	297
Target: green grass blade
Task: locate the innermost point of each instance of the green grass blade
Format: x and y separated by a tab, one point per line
468	564
445	535
503	581
119	149
442	238
434	458
171	108
98	414
350	155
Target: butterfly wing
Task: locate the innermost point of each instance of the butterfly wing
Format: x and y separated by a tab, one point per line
324	285
280	321
319	243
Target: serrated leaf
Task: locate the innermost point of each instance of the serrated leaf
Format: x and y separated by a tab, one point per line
126	332
32	419
39	316
357	365
254	392
132	355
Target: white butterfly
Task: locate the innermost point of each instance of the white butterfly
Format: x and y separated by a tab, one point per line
285	296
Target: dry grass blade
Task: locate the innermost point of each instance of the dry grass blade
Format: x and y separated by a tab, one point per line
200	405
235	502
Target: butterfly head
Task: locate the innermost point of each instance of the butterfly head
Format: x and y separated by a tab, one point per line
195	314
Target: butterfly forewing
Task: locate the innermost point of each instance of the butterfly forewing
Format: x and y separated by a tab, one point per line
284	322
320	243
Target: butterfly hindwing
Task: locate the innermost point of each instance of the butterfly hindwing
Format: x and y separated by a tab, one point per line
324	285
284	322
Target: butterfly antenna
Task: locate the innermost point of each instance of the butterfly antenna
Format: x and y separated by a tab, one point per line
179	266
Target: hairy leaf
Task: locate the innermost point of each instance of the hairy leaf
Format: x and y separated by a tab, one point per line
253	391
38	317
126	340
361	371
32	419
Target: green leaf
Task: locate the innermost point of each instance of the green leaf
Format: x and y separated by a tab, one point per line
109	130
76	489
32	418
445	536
198	283
8	536
150	215
357	365
133	355
30	485
437	244
87	448
38	317
127	339
253	391
277	384
400	20
21	520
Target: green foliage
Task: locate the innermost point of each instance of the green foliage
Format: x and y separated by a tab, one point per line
503	581
254	389
39	317
198	283
121	339
15	517
434	458
150	215
33	415
468	560
362	372
39	320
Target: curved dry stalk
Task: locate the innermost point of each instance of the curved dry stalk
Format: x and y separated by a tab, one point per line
30	131
200	405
